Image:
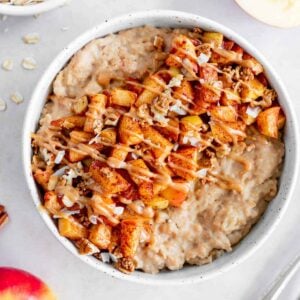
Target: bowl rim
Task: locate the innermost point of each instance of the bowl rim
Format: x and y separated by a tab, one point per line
32	9
128	21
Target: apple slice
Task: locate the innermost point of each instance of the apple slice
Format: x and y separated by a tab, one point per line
279	13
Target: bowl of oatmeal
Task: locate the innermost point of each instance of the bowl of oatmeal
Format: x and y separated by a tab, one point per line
160	147
28	7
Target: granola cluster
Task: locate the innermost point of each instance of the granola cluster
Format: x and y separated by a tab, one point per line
119	156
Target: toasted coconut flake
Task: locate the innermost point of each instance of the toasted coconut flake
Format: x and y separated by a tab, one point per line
2	105
29	63
113	258
59	157
175	81
202	58
178	109
31	38
253	111
60	172
95	139
8	64
105	257
93	219
201	173
118	210
66	201
69	176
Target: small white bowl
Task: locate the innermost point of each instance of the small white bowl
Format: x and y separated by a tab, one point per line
266	224
32	9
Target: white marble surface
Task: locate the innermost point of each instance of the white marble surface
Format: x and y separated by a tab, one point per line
26	242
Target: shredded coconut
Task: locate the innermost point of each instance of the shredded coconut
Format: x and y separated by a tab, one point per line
119	210
66	201
60	155
178	109
69	176
175	81
46	156
105	257
60	171
202	58
253	111
201	173
93	219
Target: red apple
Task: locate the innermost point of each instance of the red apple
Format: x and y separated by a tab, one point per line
19	285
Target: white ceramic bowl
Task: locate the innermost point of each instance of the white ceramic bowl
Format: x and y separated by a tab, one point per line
32	9
276	208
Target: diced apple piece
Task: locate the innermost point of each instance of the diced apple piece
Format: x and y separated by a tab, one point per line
208	73
100	235
174	71
224	113
154	85
75	156
170	131
204	97
191	123
158	187
108	136
51	203
71	229
135	170
69	122
123	97
80	105
184	92
182	48
161	147
267	122
158	203
95	111
42	177
117	157
111	181
175	196
281	120
183	162
130	231
229	97
130	131
213	37
228	132
78	137
252	90
146	191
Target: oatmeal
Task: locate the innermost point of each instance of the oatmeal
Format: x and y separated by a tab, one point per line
159	148
20	2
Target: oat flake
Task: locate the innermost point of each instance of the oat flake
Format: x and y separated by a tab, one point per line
31	38
8	64
2	105
17	97
29	63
